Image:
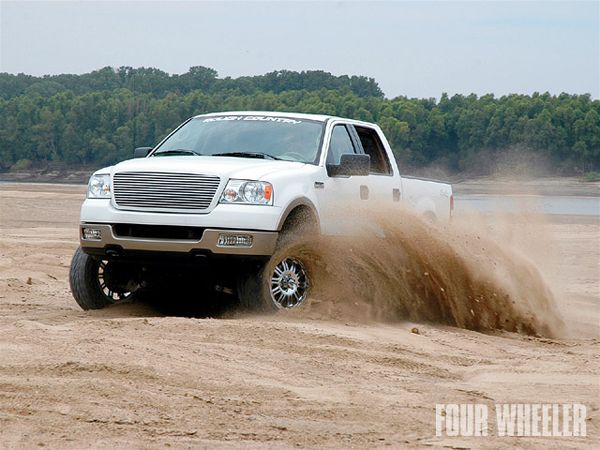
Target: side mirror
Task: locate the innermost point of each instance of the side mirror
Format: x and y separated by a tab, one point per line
142	152
350	165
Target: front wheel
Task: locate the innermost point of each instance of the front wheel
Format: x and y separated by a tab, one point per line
97	283
281	283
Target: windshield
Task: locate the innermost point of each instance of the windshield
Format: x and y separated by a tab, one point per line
246	136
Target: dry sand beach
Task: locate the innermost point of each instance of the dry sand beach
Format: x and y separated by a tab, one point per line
129	376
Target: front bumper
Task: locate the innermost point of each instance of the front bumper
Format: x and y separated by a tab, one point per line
263	242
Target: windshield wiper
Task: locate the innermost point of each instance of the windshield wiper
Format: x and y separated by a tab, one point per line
178	151
248	155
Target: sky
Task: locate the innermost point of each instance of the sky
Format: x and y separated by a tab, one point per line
415	49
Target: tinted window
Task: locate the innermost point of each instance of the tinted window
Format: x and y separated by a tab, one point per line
340	144
373	147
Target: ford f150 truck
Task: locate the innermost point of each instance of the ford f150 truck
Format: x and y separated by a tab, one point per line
224	192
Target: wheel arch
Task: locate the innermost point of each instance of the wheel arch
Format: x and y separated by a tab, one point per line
430	215
426	207
297	207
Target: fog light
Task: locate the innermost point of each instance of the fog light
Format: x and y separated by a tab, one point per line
235	240
92	234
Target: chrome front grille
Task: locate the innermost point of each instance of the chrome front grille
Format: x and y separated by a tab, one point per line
164	191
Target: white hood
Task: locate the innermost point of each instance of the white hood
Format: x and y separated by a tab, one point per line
222	166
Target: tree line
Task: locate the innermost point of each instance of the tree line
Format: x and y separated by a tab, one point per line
99	117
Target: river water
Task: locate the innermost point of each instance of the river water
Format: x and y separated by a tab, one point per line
542	204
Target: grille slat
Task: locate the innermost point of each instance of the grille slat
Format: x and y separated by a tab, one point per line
164	191
183	180
167	192
136	194
156	198
169	185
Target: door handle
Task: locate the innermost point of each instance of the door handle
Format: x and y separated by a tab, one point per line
364	192
396	195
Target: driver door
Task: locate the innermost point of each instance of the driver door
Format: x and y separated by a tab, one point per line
339	196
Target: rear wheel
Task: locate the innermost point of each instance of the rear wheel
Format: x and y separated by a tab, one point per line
97	283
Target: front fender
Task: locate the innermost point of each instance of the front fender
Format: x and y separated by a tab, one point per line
295	203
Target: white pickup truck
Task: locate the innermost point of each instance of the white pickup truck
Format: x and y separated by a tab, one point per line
218	198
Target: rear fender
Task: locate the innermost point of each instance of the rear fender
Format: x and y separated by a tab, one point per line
425	206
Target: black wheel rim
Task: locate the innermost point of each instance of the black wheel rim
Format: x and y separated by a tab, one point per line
114	294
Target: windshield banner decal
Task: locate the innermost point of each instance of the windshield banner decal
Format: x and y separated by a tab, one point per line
259	118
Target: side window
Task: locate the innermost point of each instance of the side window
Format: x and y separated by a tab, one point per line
340	144
372	145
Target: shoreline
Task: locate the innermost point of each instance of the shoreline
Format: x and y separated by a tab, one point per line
76	176
464	199
488	185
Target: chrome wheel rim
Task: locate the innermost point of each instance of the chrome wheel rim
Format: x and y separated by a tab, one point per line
112	293
289	284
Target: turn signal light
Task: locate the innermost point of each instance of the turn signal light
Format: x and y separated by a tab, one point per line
268	192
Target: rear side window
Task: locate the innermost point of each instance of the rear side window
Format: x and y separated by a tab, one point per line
372	145
340	144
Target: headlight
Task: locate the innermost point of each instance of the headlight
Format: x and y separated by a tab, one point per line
99	186
248	192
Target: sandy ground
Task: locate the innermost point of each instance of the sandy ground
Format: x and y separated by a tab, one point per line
130	377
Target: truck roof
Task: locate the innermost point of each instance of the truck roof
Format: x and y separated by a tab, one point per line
287	115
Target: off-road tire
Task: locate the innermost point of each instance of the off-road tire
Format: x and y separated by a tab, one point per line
83	279
251	291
